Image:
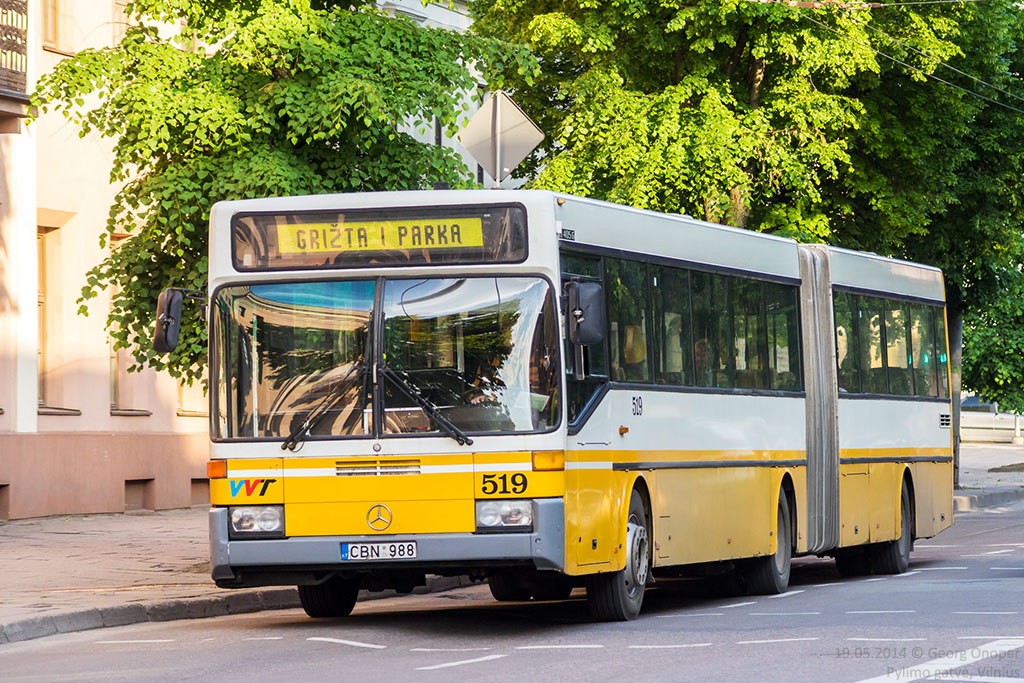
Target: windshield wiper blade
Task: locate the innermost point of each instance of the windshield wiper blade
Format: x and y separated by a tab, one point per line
446	425
317	413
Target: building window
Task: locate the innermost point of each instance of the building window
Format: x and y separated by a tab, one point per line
51	23
41	312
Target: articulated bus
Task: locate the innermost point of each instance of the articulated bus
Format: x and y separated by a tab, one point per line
550	392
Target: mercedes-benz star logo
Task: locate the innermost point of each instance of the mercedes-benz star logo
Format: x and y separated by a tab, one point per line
379	517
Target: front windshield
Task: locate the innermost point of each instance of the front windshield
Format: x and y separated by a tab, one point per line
482	352
285	349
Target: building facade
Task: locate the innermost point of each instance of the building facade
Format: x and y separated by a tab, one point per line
78	433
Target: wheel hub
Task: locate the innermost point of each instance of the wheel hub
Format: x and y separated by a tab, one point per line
637	566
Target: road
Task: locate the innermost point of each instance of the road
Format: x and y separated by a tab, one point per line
958	614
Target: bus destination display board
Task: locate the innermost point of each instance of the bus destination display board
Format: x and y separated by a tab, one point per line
360	238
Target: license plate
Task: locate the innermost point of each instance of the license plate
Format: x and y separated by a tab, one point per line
400	550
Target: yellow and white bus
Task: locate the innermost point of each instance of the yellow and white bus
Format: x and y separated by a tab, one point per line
547	392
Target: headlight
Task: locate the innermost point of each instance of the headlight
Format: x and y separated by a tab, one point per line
504	515
264	521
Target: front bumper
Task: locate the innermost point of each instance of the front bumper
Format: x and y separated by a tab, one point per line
302	559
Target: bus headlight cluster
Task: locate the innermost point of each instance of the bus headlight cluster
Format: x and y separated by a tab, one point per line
504	515
256	521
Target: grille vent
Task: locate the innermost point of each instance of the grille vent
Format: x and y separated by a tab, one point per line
375	468
945	421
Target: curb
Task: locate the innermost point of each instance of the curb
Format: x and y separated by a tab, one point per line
985	498
231	602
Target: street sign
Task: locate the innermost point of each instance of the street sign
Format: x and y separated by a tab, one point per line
500	136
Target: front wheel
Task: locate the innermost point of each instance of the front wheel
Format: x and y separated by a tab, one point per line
770	575
617	596
333	598
508	588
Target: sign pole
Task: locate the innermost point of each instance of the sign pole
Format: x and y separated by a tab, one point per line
497	143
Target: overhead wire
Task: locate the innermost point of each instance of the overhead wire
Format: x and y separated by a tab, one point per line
941	63
933	77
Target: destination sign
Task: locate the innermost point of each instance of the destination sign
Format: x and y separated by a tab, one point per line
380	235
385	236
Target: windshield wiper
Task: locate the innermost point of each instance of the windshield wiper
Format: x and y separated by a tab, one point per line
446	425
317	412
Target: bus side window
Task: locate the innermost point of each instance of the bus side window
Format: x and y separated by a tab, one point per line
922	350
941	351
670	291
579	393
783	328
748	330
627	294
897	349
872	357
847	352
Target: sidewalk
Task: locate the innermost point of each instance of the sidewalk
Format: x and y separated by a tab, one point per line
63	574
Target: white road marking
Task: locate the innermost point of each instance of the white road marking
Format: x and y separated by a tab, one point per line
120	642
899	576
984	612
991	638
266	638
353	643
666	647
784	595
918	546
1004	545
676	616
1000	552
738	604
938	569
957	660
1006	569
887	640
882	611
559	647
822	585
870	580
774	640
464	661
781	614
449	649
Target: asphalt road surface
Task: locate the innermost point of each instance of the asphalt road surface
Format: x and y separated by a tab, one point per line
956	615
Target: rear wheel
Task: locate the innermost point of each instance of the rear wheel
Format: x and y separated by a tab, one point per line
770	575
618	596
508	588
893	557
333	598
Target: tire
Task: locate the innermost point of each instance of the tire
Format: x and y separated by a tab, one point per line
618	596
852	562
508	588
893	557
333	598
770	575
549	586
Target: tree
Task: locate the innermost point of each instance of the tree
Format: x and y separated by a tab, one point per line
253	98
734	111
993	358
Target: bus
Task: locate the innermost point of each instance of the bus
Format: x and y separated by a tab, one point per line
551	392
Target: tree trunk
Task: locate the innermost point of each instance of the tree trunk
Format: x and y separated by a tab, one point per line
955	323
756	79
739	211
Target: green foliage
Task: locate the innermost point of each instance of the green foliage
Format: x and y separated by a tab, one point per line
993	357
250	99
734	111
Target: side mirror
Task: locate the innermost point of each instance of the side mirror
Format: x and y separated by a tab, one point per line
586	313
168	320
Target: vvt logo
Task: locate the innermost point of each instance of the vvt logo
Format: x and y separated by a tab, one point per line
250	486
